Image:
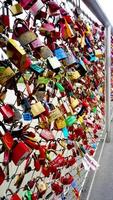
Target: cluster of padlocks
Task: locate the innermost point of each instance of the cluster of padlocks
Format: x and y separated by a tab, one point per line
53	73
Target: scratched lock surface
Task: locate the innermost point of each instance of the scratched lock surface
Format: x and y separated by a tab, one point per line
51	100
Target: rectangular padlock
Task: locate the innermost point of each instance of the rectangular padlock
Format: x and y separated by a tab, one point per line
16	9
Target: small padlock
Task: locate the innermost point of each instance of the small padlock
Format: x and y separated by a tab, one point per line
41	186
2	176
16	9
6	138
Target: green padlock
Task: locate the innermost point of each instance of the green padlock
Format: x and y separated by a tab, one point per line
94	110
70	120
60	87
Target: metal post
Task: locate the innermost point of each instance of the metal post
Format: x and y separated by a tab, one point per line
108	82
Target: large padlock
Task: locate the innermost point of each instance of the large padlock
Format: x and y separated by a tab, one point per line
16	53
23	34
20	152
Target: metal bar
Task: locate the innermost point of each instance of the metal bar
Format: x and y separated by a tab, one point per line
97	11
93	179
108	82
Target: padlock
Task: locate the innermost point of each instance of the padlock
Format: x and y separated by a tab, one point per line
37	6
58	161
15	53
27	4
53	8
36	44
2	175
56	175
52	145
54	114
37	69
60	53
41	186
70	60
67	179
45	52
5	75
16	9
37	108
45	170
36	162
60	123
70	161
57	187
26	36
5	16
20	152
6	159
53	63
7	112
27	116
70	120
14	196
6	138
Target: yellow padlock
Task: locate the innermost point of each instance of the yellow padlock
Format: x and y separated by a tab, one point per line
16	9
60	122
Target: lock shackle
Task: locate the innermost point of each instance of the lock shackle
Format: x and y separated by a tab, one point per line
5	7
16	124
39	178
16	23
3	126
10	191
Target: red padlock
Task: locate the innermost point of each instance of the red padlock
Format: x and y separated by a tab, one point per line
7	138
13	196
45	171
36	162
20	152
7	112
56	175
70	161
2	176
57	187
67	179
52	145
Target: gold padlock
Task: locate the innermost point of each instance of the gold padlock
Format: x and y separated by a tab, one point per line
60	122
37	108
55	114
16	9
16	53
41	185
74	102
6	75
